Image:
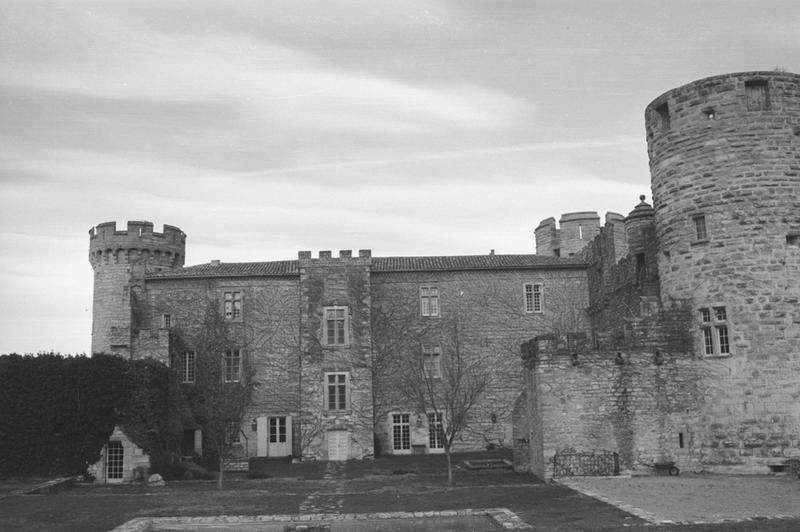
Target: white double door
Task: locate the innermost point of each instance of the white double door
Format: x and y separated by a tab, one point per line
338	445
274	436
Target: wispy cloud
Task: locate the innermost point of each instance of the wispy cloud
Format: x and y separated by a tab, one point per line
541	147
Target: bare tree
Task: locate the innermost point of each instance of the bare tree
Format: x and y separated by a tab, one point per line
223	381
448	386
449	392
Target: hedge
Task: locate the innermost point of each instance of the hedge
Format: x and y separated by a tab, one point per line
57	412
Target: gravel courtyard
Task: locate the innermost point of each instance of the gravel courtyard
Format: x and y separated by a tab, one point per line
696	498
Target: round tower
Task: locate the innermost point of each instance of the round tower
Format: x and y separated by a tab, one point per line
725	165
120	260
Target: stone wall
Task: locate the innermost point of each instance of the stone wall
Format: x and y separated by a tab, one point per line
267	333
639	406
575	231
650	408
724	150
343	282
482	314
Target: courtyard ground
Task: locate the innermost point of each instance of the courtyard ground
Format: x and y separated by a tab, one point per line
413	483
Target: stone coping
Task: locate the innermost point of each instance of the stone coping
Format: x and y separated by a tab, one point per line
503	517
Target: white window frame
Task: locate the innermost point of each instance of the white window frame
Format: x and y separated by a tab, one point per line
715	337
232	365
233	305
429	301
331	317
433	437
187	366
166	321
432	361
533	294
334	379
278	429
401	433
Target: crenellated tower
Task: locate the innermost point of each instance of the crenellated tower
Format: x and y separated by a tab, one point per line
120	260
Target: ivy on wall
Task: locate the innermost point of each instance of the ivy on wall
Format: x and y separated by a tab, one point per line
57	412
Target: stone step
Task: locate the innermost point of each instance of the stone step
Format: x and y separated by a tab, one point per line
238	464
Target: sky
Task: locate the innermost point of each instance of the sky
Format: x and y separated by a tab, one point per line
268	127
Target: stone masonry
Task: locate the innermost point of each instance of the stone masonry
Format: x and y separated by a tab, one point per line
671	334
696	332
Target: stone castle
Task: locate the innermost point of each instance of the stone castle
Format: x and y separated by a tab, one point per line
671	334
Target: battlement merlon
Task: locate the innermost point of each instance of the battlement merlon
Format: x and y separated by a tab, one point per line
107	245
344	255
139	229
573	231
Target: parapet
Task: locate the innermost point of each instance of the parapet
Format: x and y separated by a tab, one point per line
576	230
344	254
107	245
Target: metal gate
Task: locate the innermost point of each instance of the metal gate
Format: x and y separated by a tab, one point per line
585	464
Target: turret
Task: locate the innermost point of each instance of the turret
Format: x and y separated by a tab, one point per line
639	227
120	260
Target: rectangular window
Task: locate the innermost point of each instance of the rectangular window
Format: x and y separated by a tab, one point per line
336	391
700	231
429	300
166	321
435	431
232	365
233	305
714	327
232	432
431	361
186	366
663	115
401	432
115	460
757	95
533	297
337	326
277	429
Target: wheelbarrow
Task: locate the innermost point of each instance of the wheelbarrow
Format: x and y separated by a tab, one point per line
668	467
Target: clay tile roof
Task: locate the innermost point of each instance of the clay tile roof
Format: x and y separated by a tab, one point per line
281	268
289	268
472	262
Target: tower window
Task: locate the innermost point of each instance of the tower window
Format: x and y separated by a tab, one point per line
757	95
337	397
700	230
337	326
663	116
714	328
641	267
